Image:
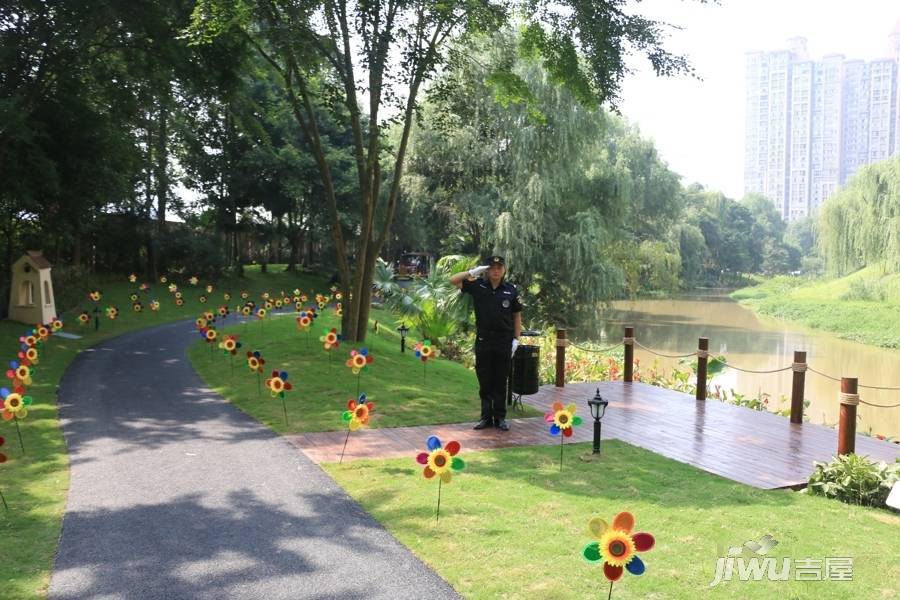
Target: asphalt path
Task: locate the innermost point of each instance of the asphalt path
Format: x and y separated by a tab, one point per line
176	494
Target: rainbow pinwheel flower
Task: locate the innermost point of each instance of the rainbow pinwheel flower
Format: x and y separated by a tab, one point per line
30	355
200	323
15	404
440	461
303	298
357	413
19	373
425	351
163	279
132	278
209	334
179	301
42	332
202	299
244	294
112	312
255	362
331	339
179	295
269	305
246	311
339	310
144	287
95	295
227	296
133	297
279	303
29	340
137	307
261	314
304	321
562	419
173	288
84	318
297	292
154	305
56	324
616	546
359	360
209	289
298	306
223	311
193	280
338	296
230	345
278	384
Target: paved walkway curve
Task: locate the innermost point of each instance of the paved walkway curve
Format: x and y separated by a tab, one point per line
176	494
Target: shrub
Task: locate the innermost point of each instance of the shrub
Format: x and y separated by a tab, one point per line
854	479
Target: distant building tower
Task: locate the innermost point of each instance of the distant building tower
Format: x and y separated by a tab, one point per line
31	293
810	125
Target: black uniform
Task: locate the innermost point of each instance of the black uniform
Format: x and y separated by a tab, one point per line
494	310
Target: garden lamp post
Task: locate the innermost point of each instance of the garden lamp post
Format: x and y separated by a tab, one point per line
403	329
598	409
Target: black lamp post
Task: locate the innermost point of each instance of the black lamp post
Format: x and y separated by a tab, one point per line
598	409
403	329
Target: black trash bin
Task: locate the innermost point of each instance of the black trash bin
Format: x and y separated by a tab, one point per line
526	364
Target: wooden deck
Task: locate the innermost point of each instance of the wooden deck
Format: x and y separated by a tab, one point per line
759	449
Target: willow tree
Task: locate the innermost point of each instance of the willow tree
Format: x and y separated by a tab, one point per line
860	225
373	58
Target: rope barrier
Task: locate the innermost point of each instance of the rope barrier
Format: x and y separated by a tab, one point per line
849	399
796	367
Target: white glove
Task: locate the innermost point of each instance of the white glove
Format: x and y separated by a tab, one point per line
477	271
515	345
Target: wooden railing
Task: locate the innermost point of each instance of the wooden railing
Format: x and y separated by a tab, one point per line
849	394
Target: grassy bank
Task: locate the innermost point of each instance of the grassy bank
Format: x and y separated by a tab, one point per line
862	307
513	526
35	485
404	392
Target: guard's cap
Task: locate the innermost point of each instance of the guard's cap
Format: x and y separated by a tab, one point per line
496	260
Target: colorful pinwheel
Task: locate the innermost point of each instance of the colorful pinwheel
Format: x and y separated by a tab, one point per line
132	278
209	288
95	295
19	373
193	280
278	303
163	279
246	310
304	320
137	307
173	288
112	312
202	299
223	311
200	323
29	354
154	305
278	385
331	339
440	462
15	403
227	296
84	318
133	297
255	362
616	546
209	334
339	309
425	351
209	316
230	345
359	360
244	294
56	324
179	301
144	287
42	333
261	314
179	295
562	420
357	413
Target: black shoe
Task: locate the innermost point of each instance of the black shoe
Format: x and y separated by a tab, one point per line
502	424
483	424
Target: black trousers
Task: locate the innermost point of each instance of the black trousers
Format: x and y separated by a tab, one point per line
492	362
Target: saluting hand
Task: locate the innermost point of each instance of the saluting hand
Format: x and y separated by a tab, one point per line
478	270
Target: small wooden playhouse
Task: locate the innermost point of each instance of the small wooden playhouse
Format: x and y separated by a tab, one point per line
31	292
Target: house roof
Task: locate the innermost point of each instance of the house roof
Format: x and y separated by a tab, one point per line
37	257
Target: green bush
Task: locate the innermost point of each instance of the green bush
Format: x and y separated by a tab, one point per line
854	479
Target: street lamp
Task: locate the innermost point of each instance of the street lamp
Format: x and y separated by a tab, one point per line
598	409
403	329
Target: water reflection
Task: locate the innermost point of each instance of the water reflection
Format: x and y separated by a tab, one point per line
673	325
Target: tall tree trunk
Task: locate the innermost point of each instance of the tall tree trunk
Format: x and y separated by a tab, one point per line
162	180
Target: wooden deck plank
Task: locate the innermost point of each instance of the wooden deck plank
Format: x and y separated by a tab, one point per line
756	448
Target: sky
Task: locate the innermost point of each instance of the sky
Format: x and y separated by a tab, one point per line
698	126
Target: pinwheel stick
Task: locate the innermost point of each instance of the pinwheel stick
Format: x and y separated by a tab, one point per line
19	431
438	515
307	338
562	440
258	385
610	590
357	384
232	365
346	439
284	406
5	505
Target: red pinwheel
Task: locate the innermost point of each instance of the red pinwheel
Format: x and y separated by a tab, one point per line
440	461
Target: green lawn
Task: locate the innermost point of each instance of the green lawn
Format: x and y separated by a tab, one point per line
512	526
35	485
403	392
861	307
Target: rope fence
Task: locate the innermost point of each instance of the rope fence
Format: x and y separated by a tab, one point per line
797	367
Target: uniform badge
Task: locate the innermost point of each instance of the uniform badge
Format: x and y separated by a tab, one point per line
505	303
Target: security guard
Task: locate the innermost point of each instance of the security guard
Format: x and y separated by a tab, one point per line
498	318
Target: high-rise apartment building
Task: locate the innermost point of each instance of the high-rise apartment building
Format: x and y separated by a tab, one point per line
810	124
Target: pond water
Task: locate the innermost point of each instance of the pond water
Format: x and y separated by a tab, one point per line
673	326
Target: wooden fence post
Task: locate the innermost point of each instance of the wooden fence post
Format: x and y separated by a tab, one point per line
561	343
629	354
702	358
797	390
847	423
